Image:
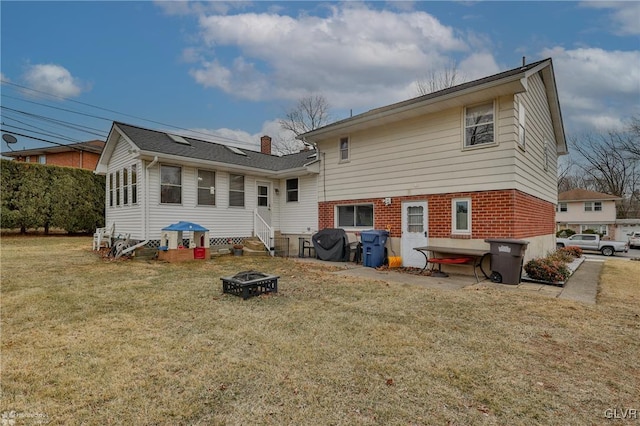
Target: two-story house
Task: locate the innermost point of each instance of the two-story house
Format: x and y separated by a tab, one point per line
581	210
451	168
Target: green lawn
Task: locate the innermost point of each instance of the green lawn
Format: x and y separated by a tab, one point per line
89	341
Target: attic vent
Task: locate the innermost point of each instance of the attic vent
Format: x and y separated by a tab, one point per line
235	150
178	139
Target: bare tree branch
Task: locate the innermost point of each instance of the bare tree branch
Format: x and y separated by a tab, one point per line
438	80
309	113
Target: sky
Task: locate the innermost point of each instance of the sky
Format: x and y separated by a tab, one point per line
231	70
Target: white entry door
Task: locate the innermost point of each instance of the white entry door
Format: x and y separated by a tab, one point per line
264	201
415	232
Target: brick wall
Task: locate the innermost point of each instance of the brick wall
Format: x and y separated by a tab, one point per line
495	214
77	159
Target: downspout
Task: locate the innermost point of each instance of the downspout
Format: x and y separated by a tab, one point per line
146	197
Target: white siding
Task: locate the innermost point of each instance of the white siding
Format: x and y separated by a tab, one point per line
302	216
221	220
128	219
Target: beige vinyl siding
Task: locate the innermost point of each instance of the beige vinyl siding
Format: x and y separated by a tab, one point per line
127	218
302	216
422	155
531	176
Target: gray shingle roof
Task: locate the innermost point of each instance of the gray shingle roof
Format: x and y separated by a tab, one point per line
154	141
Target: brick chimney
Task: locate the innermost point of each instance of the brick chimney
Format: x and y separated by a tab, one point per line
265	145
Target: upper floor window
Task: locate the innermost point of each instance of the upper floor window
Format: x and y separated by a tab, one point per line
521	126
170	184
206	188
292	190
236	190
344	149
593	206
479	125
561	207
461	216
355	216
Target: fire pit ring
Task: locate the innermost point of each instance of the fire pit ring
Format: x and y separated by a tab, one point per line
247	284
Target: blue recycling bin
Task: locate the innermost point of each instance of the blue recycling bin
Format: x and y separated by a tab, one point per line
373	250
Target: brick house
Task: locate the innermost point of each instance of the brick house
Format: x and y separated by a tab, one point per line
450	168
83	155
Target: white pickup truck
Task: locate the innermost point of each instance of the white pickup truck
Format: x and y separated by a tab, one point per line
592	242
634	240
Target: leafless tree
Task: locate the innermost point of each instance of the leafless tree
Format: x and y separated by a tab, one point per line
438	80
309	113
631	144
606	166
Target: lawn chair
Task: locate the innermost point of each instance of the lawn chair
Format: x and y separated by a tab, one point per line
103	236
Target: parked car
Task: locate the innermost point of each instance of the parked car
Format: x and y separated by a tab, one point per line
634	240
592	242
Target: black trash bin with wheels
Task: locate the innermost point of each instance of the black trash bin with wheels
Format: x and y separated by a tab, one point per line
507	259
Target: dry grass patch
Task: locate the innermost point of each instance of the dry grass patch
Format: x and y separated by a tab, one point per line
86	341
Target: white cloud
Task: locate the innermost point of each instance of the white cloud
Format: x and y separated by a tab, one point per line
625	16
4	78
282	56
596	87
53	79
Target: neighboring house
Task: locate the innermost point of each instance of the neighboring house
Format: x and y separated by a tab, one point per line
450	168
155	179
581	210
83	155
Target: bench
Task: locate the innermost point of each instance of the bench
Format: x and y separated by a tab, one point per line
453	256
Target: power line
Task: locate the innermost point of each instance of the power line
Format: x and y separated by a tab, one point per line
208	135
40	139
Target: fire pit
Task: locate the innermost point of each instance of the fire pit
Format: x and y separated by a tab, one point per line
247	284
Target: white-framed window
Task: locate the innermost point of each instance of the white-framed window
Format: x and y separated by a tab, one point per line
601	229
125	186
461	216
236	190
42	159
206	188
292	190
170	184
354	216
593	206
561	207
479	128
134	184
118	188
344	149
111	189
521	126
